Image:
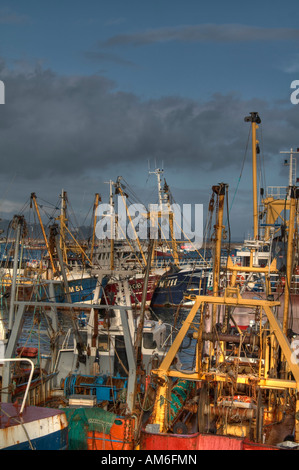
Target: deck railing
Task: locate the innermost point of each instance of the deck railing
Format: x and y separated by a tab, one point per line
277	192
19	359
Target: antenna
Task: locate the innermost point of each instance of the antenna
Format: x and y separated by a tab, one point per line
159	172
111	184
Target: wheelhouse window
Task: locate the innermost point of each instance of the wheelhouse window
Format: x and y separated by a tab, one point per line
103	343
148	341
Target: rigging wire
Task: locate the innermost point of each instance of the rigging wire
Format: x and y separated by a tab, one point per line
130	190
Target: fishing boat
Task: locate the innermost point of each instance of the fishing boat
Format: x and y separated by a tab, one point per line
122	259
126	349
182	274
136	288
25	427
123	254
35	273
233	401
242	390
176	283
173	272
99	373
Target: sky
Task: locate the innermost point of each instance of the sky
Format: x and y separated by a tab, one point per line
100	89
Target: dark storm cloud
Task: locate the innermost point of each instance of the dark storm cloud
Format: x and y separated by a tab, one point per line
66	126
204	33
54	124
76	132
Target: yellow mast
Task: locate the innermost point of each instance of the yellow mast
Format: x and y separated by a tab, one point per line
80	249
290	250
255	120
220	191
33	198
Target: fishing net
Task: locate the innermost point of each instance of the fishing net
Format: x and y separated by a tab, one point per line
82	420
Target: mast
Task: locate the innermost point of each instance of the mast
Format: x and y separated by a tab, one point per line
164	198
33	198
19	222
292	165
79	340
138	342
220	192
255	120
120	191
96	204
171	226
290	250
112	226
158	172
62	219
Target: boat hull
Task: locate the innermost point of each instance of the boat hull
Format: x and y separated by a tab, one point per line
81	290
38	428
172	287
197	441
136	288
